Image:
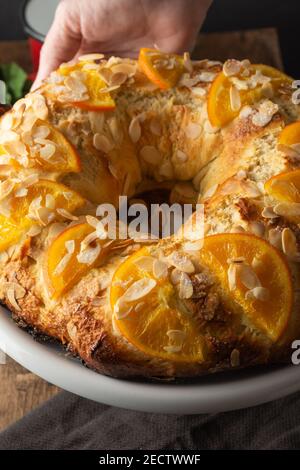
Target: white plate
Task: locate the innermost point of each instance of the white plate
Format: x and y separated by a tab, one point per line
220	392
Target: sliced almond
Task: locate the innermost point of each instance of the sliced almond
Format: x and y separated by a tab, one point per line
231	67
195	245
66	214
287	209
151	155
135	130
187	63
275	238
160	269
91	57
89	255
181	156
185	287
269	212
102	143
259	293
155	127
247	276
63	263
289	242
181	262
139	289
235	99
231	276
193	130
122	309
258	228
47	151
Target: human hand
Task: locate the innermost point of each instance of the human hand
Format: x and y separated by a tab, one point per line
119	27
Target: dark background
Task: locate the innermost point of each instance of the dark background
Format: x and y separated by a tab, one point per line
224	15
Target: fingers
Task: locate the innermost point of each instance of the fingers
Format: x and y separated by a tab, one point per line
61	44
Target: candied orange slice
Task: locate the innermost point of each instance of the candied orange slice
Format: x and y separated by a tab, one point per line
290	134
63	267
164	70
268	308
152	322
219	107
66	158
284	186
99	99
44	193
73	253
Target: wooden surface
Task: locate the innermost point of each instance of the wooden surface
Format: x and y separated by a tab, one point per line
21	391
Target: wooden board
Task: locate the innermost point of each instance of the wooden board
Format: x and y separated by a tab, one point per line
21	391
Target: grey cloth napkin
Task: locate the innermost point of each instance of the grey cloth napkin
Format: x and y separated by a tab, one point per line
70	422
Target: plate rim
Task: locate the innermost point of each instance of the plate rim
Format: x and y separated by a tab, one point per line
193	398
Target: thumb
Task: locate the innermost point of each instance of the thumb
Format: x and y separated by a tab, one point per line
61	44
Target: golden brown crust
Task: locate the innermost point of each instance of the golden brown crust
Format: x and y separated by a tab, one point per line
82	318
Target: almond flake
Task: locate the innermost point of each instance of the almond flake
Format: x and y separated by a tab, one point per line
63	263
259	293
135	130
102	234
21	192
41	132
181	262
235	99
118	79
258	228
102	143
122	309
237	229
181	156
193	245
160	269
92	221
66	214
128	69
289	242
247	276
88	240
8	136
275	238
210	192
6	188
269	212
185	287
89	255
155	127
231	276
91	57
198	91
50	201
6	122
187	63
193	131
231	67
287	209
151	155
14	292
34	231
139	289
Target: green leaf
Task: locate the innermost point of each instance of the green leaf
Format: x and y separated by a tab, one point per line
16	80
